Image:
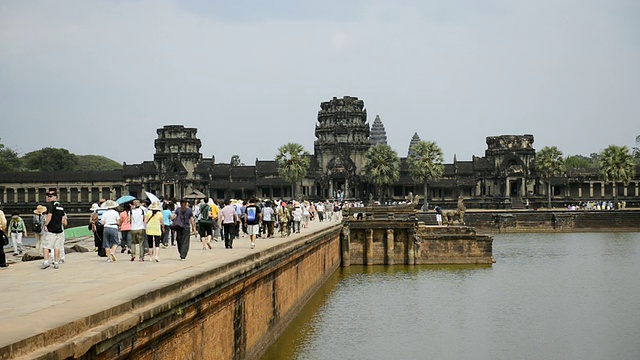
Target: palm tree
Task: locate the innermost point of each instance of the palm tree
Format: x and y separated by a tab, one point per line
425	164
549	162
382	166
617	166
293	163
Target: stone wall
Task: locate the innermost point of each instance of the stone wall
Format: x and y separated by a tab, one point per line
234	311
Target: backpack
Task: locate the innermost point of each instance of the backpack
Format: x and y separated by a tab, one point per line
204	215
15	226
251	214
37	227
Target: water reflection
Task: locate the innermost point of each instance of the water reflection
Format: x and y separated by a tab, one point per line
547	296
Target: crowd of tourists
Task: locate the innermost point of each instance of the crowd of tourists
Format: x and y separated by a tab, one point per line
138	229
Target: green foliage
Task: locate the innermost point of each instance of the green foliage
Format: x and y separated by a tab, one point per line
96	163
382	166
549	162
425	161
579	162
293	162
50	159
9	160
617	164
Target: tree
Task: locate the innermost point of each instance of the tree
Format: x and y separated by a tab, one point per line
425	162
9	160
578	162
382	167
96	163
50	159
235	161
293	163
549	163
617	165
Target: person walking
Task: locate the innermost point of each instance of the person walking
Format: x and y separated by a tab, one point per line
297	218
268	218
227	219
54	226
155	228
110	221
205	225
39	217
138	235
283	219
166	218
252	220
3	228
125	228
183	235
18	231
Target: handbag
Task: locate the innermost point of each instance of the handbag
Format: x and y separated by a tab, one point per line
176	223
5	239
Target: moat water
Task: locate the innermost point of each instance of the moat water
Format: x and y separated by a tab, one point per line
548	296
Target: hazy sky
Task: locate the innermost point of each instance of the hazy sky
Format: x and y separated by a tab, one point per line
99	77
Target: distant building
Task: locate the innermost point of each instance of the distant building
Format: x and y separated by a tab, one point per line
505	177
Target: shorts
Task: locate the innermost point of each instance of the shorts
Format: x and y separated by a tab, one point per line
438	217
253	229
53	241
205	229
110	237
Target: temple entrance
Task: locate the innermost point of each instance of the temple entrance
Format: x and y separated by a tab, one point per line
338	188
514	188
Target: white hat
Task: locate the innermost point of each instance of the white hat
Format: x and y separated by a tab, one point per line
94	207
155	206
110	204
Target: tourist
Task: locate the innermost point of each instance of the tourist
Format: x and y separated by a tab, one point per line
125	228
268	218
205	225
54	227
138	234
297	218
97	227
320	210
155	227
3	228
306	213
185	218
213	204
111	221
283	219
39	217
227	219
18	230
166	218
438	210
252	220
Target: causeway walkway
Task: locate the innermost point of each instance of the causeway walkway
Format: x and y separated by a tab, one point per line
33	301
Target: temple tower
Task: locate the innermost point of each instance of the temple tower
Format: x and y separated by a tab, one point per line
414	140
378	133
342	134
177	156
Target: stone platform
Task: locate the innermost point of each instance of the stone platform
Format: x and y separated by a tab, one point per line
42	308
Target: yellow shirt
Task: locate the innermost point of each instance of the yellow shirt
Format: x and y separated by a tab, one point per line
213	214
154	223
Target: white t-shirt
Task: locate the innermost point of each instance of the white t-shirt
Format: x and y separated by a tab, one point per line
137	219
110	218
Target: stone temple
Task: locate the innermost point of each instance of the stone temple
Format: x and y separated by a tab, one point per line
505	177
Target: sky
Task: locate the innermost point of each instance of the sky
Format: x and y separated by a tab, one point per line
99	77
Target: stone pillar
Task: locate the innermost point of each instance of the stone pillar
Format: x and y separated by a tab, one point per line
368	247
410	246
508	188
523	188
389	248
602	189
345	242
637	188
15	195
590	189
69	195
580	190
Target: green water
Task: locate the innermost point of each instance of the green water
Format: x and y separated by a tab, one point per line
548	296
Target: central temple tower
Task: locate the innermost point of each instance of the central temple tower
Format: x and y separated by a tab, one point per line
342	134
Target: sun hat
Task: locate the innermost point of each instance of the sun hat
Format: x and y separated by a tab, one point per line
40	210
110	204
155	206
94	207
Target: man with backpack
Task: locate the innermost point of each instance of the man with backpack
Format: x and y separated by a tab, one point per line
205	225
252	220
